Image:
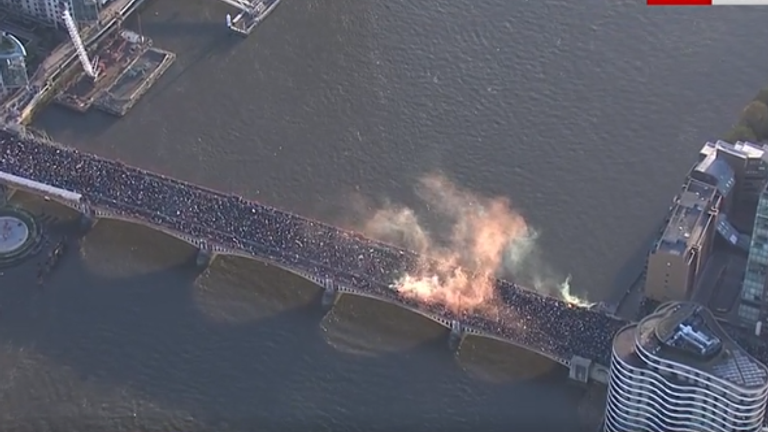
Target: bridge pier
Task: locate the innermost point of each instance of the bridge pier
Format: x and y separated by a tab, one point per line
583	370
331	295
6	193
456	337
88	219
579	371
204	257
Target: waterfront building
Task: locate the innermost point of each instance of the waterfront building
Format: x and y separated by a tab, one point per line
49	12
686	241
13	67
749	162
677	370
754	302
720	182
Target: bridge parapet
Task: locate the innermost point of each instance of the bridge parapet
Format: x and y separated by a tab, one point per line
206	250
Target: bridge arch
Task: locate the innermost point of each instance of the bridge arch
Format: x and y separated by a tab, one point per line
470	331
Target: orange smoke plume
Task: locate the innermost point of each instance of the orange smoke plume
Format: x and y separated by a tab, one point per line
484	238
458	272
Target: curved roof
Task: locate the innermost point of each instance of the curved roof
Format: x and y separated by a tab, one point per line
717	172
11	46
688	334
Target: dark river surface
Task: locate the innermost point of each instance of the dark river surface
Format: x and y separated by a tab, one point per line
585	114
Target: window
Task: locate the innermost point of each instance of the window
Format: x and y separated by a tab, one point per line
749	313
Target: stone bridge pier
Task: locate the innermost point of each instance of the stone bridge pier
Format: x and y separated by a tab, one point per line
204	256
583	370
331	294
456	336
88	218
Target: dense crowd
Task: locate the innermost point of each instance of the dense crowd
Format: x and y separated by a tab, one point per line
543	323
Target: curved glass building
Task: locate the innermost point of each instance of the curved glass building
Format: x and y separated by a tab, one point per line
677	370
13	65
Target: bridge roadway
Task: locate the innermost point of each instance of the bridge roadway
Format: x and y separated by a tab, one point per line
341	262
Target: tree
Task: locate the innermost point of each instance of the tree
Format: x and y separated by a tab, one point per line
762	95
740	133
755	117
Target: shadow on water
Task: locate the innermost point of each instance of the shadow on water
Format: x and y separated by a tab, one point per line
149	332
630	273
58	121
176	28
218	46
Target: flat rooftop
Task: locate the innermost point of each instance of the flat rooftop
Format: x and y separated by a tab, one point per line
688	217
743	149
688	334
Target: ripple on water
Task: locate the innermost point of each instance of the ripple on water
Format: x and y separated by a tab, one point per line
36	394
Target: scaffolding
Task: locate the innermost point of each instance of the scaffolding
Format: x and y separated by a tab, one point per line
82	54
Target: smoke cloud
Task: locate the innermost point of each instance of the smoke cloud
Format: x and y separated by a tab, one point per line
478	238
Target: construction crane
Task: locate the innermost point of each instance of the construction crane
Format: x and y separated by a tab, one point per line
241	5
82	54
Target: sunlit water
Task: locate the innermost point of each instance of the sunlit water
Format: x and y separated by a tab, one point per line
585	114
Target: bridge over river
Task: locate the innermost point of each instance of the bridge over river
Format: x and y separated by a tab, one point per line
339	261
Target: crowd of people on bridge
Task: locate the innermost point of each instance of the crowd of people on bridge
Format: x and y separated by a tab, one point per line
545	324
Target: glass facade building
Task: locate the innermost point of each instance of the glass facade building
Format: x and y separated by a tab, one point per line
13	66
678	371
753	296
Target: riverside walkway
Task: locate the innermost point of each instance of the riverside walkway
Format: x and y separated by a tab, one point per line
341	262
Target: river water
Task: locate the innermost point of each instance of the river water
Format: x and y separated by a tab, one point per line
585	114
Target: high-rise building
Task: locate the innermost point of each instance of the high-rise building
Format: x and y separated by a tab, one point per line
13	66
753	307
726	178
749	163
49	12
687	239
677	370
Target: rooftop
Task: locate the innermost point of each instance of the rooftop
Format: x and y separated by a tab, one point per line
688	334
688	217
743	149
686	330
11	46
714	171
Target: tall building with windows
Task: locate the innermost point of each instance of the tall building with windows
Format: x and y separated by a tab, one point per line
727	178
13	66
677	370
749	162
49	12
753	307
687	239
